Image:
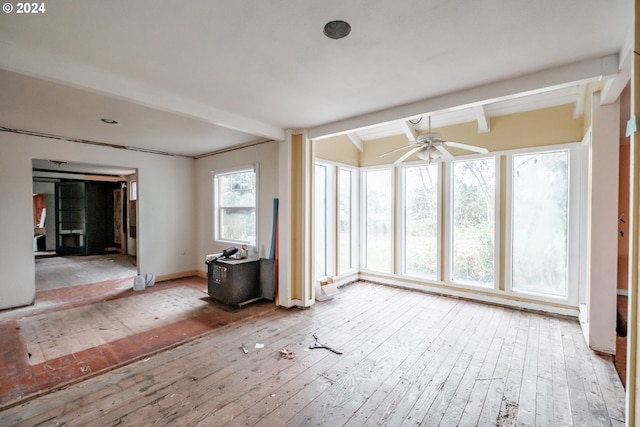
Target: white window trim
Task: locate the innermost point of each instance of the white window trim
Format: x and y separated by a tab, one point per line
331	238
401	224
254	167
330	217
449	224
355	219
575	217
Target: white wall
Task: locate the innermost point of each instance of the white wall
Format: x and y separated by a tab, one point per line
266	156
603	228
166	209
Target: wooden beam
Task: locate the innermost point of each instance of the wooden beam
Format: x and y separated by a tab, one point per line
578	106
30	61
355	139
614	87
408	129
484	125
530	84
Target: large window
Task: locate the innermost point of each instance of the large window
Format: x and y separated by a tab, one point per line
540	222
235	206
379	219
473	221
335	221
421	220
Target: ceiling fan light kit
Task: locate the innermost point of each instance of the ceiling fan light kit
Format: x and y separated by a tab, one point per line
430	146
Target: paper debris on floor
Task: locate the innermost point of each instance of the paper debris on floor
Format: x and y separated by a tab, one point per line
286	354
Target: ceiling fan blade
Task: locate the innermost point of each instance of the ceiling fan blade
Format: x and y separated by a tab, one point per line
466	147
445	154
396	150
407	154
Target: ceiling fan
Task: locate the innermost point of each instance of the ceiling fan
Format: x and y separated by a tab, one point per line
430	146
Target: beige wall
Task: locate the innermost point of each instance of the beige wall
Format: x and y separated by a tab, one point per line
548	126
338	149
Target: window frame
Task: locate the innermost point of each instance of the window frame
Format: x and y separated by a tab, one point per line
354	200
363	223
401	221
448	226
217	239
332	252
574	218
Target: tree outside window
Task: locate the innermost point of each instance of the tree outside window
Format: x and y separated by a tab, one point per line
540	224
421	220
473	229
235	208
379	219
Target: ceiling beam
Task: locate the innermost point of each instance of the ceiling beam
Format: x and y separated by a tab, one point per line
578	106
409	130
483	120
538	82
39	63
614	87
355	139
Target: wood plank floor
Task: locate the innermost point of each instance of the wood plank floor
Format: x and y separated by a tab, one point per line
71	333
408	358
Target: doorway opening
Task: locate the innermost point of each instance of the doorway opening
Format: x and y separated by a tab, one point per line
84	223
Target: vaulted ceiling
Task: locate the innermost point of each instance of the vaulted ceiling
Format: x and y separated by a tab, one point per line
191	78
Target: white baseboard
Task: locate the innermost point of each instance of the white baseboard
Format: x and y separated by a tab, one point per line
623	292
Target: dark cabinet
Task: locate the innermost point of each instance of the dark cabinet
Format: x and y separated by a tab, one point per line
234	281
85	217
71	207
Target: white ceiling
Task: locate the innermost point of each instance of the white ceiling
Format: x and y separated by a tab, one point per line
190	78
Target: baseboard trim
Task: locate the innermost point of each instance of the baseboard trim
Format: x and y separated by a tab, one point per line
180	275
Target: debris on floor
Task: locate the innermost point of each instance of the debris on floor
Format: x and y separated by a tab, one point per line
286	354
318	344
244	349
508	415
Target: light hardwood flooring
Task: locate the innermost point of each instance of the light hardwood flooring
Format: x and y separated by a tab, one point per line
408	358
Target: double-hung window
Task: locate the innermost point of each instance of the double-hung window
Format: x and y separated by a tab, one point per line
235	205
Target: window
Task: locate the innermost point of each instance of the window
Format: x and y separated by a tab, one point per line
473	221
420	227
345	213
540	222
378	217
335	222
235	206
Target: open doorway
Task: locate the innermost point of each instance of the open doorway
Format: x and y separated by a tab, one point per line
84	223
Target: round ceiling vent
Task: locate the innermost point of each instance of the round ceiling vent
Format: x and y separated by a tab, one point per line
337	29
